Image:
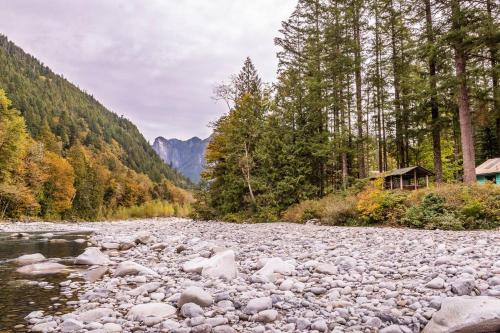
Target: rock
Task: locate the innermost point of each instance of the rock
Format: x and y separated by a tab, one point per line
132	268
145	288
95	274
223	329
494	281
29	259
195	295
71	325
462	287
258	304
267	316
286	285
110	246
126	245
92	256
345	262
436	283
34	314
141	312
43	268
326	269
466	314
272	266
191	310
143	237
159	246
391	329
320	325
48	326
170	325
95	314
112	328
221	265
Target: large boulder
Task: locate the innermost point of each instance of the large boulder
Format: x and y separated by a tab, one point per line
92	256
220	265
141	312
132	268
29	259
195	295
43	268
466	314
273	266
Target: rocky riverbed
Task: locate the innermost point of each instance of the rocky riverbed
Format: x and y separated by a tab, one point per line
175	275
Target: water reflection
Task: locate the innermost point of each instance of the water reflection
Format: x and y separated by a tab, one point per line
17	297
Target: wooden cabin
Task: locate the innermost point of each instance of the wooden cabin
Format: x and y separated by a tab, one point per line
411	178
489	171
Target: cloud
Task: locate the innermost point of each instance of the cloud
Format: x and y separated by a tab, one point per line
156	61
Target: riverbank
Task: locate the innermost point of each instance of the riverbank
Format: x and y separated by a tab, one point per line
277	277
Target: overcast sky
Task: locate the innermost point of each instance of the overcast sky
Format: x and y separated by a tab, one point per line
153	61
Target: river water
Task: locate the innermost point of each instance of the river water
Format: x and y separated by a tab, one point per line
19	297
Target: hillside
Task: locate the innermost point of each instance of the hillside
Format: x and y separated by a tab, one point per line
49	101
187	157
65	156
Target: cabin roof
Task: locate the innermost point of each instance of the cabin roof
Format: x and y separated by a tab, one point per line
403	171
491	166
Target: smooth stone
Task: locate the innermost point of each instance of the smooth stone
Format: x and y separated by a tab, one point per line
223	329
436	283
267	316
112	328
145	288
92	275
95	314
258	304
466	314
463	287
195	295
272	266
141	312
29	259
221	265
326	269
43	268
48	326
132	268
92	256
142	237
191	310
71	325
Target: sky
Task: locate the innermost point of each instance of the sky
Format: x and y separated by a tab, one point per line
154	61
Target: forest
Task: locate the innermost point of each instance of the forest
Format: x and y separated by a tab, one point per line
364	86
64	156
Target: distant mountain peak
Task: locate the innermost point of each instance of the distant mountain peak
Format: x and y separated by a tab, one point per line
186	156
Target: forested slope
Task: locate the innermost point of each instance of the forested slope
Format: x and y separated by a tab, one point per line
50	102
64	155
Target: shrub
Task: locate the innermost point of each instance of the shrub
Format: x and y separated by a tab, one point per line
340	211
152	209
303	211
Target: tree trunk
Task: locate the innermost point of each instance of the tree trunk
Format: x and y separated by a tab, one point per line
435	123
468	153
359	107
493	49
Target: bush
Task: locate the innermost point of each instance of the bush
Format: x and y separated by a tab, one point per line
447	207
152	209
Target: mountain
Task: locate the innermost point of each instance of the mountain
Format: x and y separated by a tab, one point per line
188	157
61	115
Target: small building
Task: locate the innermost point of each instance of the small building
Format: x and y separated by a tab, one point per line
410	178
489	171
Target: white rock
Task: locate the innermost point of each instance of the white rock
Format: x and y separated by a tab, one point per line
112	328
220	265
29	259
95	314
267	316
327	269
141	312
71	325
49	326
436	283
195	295
92	256
42	268
132	268
272	266
345	262
145	288
258	304
143	237
466	314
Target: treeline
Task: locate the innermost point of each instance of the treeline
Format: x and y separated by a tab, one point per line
362	86
64	156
